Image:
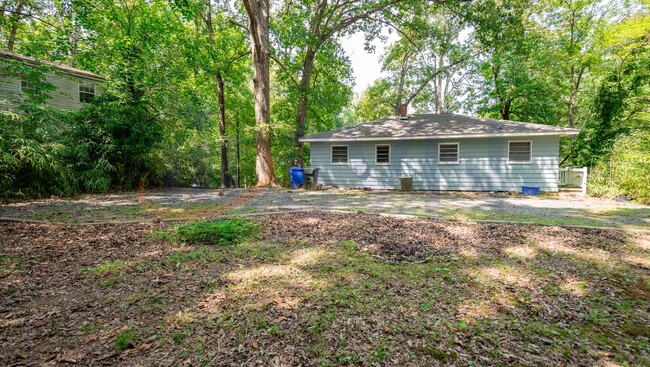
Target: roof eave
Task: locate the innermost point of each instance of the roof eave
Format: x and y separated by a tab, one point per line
426	137
79	73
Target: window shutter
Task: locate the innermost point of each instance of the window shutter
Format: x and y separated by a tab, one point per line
448	153
519	152
340	154
382	154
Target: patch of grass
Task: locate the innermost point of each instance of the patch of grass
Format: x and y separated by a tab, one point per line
215	232
626	212
349	245
436	353
179	335
426	307
111	273
124	339
574	220
381	353
111	267
10	264
91	327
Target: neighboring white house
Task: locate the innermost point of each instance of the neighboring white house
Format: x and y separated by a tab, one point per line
74	87
440	152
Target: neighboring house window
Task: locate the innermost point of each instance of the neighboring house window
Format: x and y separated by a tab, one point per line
382	154
520	151
448	153
86	92
26	87
339	154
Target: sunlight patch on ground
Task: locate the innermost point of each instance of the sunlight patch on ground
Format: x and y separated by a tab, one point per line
592	254
464	232
311	221
575	287
283	286
641	261
307	256
475	310
469	252
520	252
642	243
502	274
180	319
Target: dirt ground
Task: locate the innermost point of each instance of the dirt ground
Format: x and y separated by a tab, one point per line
203	203
325	289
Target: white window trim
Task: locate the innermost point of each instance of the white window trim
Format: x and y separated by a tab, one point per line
79	91
530	160
36	90
390	152
332	154
457	149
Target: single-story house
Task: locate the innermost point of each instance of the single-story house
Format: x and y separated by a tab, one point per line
73	87
440	152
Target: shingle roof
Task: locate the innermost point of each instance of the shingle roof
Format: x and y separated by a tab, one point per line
63	68
427	126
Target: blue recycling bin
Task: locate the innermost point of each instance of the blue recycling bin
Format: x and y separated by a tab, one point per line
530	190
297	177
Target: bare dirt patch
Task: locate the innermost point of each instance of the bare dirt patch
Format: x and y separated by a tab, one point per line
325	289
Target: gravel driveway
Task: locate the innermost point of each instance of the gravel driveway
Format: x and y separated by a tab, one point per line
196	203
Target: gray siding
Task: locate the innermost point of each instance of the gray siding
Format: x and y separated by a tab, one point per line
483	165
64	97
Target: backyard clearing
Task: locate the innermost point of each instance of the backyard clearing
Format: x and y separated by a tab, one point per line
325	289
184	204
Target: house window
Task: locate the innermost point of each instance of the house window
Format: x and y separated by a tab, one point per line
382	154
339	154
520	151
448	153
86	92
29	88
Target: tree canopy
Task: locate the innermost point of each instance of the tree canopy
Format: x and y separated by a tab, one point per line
213	93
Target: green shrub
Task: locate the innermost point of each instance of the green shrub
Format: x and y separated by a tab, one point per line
216	232
32	160
115	144
626	171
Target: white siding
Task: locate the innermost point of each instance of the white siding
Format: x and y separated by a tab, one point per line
64	97
483	165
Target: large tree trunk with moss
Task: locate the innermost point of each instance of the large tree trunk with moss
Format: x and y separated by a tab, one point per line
258	16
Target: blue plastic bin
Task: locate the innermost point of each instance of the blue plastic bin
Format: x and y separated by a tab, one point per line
530	190
297	177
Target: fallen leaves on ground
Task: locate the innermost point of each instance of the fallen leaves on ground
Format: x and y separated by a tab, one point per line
325	289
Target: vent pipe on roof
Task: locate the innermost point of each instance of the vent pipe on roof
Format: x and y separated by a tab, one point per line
403	109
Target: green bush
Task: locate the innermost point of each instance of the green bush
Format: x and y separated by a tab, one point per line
216	232
115	144
32	158
626	171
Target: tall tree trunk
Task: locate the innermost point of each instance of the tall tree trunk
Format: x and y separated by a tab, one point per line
573	99
74	43
505	109
445	106
225	177
400	85
237	153
305	86
439	88
258	16
438	93
14	23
